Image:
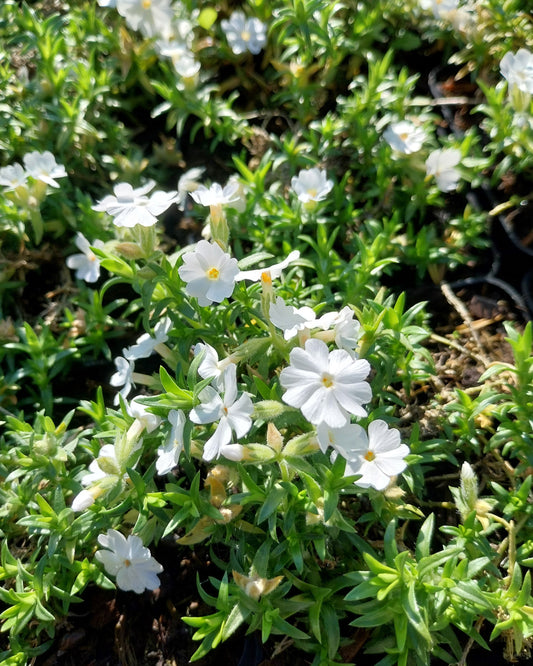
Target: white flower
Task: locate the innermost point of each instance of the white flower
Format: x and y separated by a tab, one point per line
83	500
210	366
274	271
148	420
291	319
440	8
343	439
187	67
151	17
105	464
327	386
169	454
13	176
107	3
122	377
188	182
311	185
130	207
43	166
209	273
346	328
233	452
86	264
404	137
244	34
377	456
129	561
216	195
441	164
145	345
232	413
517	69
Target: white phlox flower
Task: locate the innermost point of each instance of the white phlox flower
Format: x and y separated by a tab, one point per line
216	195
232	413
290	319
86	264
442	165
326	386
104	465
517	69
139	411
209	273
311	185
188	182
404	137
274	271
43	167
210	365
169	454
440	8
13	176
244	34
151	17
122	377
346	328
146	343
129	561
378	456
342	440
129	206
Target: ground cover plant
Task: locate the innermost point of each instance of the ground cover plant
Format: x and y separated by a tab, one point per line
266	350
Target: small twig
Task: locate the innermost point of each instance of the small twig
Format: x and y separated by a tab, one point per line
461	310
470	643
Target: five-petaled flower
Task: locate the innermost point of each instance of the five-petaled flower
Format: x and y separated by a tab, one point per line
232	413
442	165
326	386
130	206
404	137
244	34
86	264
152	17
377	457
209	273
131	563
43	167
311	185
517	69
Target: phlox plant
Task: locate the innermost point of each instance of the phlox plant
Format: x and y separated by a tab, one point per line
235	196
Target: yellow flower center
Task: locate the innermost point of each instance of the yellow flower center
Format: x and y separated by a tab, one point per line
213	273
245	36
127	563
266	278
312	192
147	4
327	380
404	136
369	455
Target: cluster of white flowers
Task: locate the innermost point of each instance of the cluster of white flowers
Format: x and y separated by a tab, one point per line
38	166
329	387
